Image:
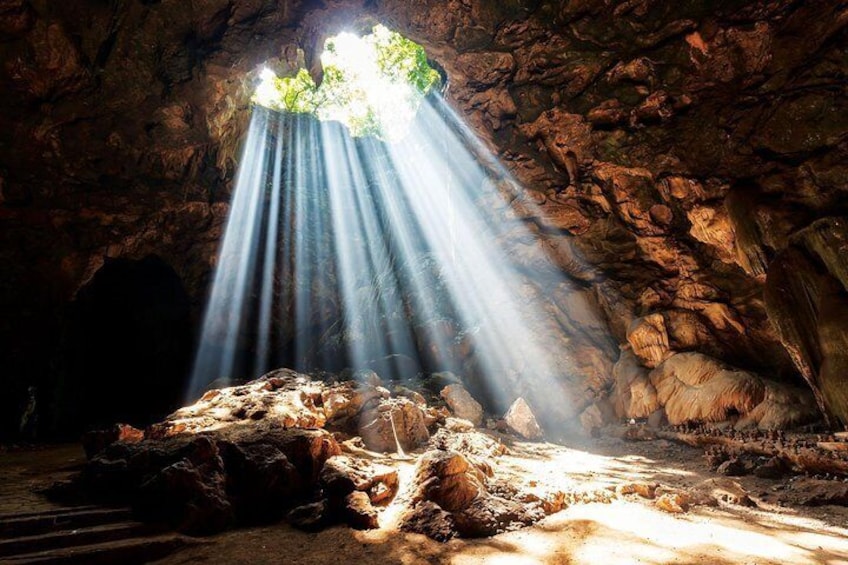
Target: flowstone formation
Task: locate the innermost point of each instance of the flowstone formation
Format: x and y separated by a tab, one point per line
686	162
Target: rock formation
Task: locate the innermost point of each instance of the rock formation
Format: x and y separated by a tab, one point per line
685	163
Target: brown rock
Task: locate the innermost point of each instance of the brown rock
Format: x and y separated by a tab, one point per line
673	503
462	404
95	441
649	339
343	474
358	512
816	492
521	420
430	519
633	395
393	422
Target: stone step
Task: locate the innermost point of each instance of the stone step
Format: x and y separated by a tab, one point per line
125	551
72	537
34	523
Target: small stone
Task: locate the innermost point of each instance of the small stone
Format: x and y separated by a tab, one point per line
674	503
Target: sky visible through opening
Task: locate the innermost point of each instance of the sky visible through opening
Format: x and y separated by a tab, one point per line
374	84
410	257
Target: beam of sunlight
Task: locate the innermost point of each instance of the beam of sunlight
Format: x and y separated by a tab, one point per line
344	251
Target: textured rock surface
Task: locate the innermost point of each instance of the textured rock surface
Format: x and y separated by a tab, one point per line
462	404
521	420
673	151
450	496
694	387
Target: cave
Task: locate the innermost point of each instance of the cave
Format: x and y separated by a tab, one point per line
435	281
126	349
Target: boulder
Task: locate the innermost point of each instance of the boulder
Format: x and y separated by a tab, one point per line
521	420
391	423
449	496
358	512
462	404
343	475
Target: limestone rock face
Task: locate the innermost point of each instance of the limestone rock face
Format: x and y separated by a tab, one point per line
633	394
806	299
521	420
462	404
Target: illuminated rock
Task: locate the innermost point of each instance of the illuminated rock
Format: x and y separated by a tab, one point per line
694	387
462	404
521	420
393	423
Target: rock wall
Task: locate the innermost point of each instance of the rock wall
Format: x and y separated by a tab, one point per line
683	156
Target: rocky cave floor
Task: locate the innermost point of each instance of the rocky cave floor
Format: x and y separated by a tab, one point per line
459	493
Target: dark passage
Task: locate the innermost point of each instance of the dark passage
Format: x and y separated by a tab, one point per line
127	347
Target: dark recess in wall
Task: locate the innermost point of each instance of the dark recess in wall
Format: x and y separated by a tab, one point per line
126	349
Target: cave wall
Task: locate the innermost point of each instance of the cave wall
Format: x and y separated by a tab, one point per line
675	153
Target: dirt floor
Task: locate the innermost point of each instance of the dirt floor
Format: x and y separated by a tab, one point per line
618	529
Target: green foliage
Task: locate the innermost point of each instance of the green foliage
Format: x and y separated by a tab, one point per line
355	85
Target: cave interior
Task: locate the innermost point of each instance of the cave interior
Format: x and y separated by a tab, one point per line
530	280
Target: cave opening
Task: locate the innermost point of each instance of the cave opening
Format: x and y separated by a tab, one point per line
127	348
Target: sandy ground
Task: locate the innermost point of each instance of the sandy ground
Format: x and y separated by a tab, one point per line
626	530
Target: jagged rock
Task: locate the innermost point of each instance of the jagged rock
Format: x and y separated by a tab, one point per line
592	419
774	468
697	388
521	420
470	442
343	474
448	479
95	441
450	496
342	403
645	490
462	404
284	397
205	482
393	422
430	519
807	306
358	512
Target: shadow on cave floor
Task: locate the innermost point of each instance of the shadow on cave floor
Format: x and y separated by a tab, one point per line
625	530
